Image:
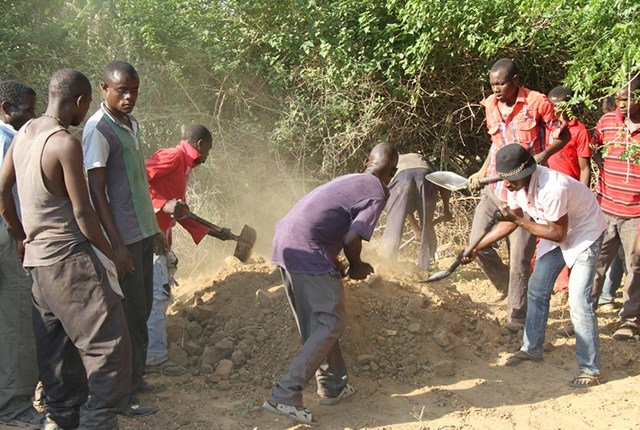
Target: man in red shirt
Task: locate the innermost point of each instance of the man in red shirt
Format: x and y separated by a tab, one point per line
617	137
574	159
514	115
168	170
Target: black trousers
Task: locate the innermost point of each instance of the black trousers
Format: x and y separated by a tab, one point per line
82	342
137	288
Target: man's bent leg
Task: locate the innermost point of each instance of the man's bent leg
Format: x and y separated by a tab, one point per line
540	288
487	258
583	316
322	297
522	246
331	376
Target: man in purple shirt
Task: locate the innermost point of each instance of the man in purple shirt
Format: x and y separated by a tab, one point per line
306	245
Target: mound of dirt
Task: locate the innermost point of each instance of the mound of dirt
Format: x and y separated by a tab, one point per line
239	331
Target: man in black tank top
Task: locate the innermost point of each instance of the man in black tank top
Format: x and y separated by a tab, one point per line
82	342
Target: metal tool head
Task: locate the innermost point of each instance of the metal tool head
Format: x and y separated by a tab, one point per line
245	242
448	180
439	275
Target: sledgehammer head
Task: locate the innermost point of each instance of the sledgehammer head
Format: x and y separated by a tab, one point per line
245	242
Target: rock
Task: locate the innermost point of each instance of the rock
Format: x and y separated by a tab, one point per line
548	347
621	361
224	369
224	385
375	281
364	359
213	354
202	313
415	328
266	383
178	355
175	329
194	329
275	276
191	348
442	338
269	298
238	357
391	332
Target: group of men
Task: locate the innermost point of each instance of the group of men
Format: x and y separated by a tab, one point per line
96	251
89	245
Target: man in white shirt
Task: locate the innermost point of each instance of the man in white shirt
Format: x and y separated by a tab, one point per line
570	232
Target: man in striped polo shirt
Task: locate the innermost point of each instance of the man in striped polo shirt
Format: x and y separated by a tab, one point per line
617	137
120	193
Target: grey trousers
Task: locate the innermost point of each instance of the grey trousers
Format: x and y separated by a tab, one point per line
318	307
18	364
410	192
84	354
514	277
620	232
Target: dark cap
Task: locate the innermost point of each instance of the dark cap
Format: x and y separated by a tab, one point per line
513	162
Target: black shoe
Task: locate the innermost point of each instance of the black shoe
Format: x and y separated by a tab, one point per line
135	410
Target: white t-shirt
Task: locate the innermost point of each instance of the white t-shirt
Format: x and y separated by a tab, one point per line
552	195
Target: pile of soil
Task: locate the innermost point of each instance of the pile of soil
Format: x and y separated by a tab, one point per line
239	331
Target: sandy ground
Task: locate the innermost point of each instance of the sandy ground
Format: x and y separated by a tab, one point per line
421	357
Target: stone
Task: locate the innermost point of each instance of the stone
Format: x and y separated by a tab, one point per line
444	369
191	348
238	357
202	313
442	338
548	347
194	329
224	369
178	355
391	332
270	297
175	329
364	359
415	328
224	385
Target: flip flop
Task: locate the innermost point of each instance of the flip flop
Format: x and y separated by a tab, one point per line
586	380
301	415
520	357
346	392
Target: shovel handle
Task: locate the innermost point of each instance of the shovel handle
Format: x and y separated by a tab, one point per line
213	227
489	180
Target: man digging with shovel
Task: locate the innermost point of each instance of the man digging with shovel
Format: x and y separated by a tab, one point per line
570	225
168	170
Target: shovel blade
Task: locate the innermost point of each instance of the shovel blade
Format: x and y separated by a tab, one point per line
448	180
439	275
244	245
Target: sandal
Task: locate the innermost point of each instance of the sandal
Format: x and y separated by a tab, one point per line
166	368
627	331
301	415
520	357
586	380
346	392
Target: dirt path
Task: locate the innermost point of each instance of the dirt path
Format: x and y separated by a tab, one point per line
421	356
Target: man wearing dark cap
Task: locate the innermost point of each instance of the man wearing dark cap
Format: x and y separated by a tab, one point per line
515	115
570	232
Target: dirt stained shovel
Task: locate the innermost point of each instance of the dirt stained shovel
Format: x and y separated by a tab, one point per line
454	182
245	241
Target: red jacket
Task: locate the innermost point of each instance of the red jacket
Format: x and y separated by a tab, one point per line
168	169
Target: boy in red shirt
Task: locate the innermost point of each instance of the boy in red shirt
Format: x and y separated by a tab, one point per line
574	159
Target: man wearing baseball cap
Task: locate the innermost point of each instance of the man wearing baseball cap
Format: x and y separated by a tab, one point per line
570	232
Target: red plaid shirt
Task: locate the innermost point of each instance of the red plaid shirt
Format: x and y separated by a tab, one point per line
618	188
528	123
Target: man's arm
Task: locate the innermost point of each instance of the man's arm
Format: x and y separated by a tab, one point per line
557	144
555	231
474	179
352	248
69	154
97	188
585	170
7	205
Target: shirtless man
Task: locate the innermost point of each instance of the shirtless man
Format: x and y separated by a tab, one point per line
81	334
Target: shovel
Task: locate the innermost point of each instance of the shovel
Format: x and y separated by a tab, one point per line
448	271
454	182
245	242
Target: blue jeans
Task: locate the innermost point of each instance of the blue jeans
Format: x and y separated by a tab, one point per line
614	278
157	323
583	317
